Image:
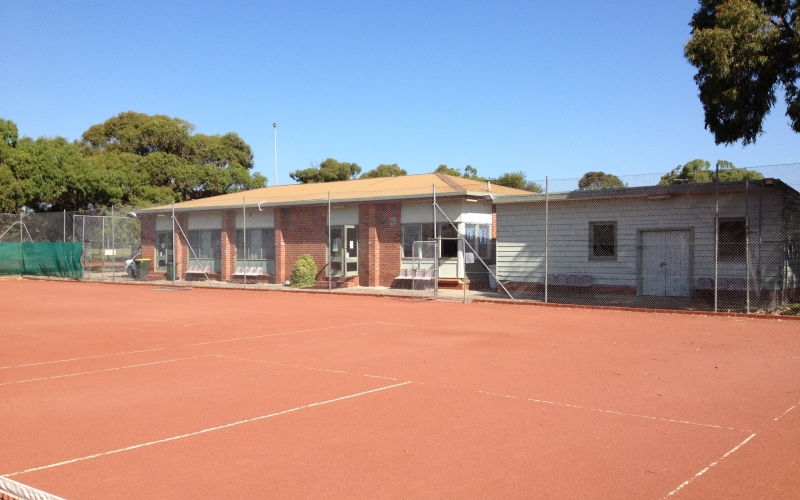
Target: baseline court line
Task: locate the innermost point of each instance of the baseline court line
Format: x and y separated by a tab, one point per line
784	413
104	370
613	412
204	431
306	367
183	345
685	483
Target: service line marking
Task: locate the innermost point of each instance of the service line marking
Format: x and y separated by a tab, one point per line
205	431
306	367
184	345
612	412
685	483
784	413
104	370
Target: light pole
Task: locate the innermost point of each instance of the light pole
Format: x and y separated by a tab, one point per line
275	129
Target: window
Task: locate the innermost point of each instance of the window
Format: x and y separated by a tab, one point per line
163	249
480	237
260	244
205	243
415	232
602	241
732	238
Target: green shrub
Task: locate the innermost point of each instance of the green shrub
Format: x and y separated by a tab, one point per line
305	272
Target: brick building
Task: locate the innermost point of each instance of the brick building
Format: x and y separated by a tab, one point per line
359	232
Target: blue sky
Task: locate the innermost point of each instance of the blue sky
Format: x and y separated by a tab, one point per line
550	88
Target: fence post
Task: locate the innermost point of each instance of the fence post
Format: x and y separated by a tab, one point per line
244	239
546	230
113	247
747	239
436	249
103	248
173	263
716	238
328	252
65	225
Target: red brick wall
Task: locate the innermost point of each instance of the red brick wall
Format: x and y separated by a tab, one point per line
379	243
149	238
228	245
300	230
181	245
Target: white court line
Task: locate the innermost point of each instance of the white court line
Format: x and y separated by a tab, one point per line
543	401
784	413
81	359
103	370
204	431
699	349
196	357
306	367
183	345
685	483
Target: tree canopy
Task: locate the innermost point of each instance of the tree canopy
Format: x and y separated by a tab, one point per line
470	172
329	170
600	180
744	50
384	170
517	180
700	171
131	159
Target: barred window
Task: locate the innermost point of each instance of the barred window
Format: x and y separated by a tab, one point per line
602	241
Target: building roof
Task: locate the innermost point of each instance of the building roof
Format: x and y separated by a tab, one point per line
643	191
382	188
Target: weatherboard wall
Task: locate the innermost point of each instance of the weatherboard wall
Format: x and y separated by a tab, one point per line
521	236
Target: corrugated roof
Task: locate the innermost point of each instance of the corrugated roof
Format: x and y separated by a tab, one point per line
406	186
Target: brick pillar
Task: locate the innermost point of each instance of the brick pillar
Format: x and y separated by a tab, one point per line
280	247
181	245
367	244
228	245
149	238
388	232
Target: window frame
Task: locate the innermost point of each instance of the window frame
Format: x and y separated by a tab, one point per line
593	257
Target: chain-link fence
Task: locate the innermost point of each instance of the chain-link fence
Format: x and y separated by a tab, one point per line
110	238
642	241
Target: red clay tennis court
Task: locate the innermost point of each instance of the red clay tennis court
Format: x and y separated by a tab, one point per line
119	391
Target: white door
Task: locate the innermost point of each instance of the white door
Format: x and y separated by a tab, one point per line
653	263
666	259
677	257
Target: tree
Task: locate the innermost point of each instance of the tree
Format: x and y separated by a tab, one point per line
743	50
444	169
329	170
384	170
700	171
517	180
600	180
130	159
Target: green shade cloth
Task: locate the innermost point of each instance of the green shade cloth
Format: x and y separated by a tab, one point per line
61	260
